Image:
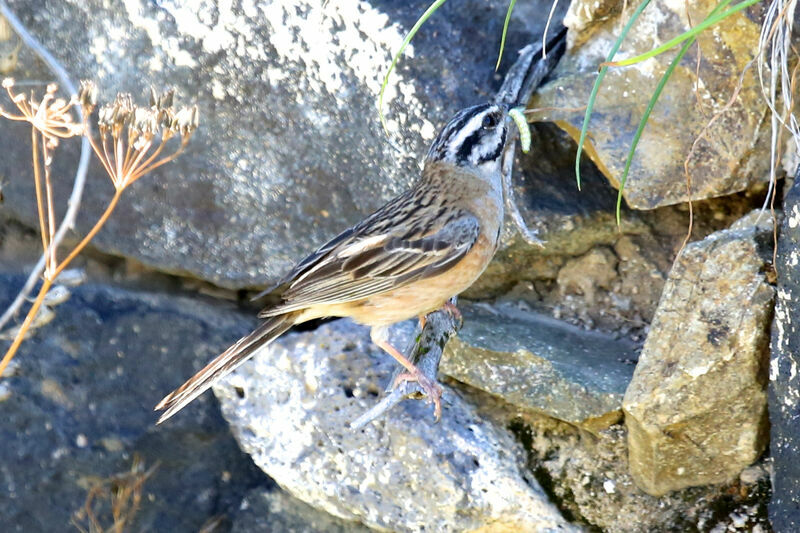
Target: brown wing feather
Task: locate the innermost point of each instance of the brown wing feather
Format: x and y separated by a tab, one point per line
409	239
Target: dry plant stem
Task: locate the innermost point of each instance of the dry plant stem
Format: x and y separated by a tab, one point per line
50	277
89	236
51	212
74	202
38	186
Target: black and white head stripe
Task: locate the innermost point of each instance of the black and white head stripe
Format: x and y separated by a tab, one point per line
476	135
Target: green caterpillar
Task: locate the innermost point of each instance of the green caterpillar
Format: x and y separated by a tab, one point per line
522	125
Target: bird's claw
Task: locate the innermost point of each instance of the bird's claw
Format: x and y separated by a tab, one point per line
429	387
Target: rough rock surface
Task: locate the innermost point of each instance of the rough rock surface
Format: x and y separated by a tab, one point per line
784	379
79	407
733	153
538	363
401	473
570	222
696	407
273	511
290	151
588	476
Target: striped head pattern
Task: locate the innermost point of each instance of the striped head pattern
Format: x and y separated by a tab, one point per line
475	137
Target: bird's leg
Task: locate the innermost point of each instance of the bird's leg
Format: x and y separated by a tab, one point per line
431	389
422	321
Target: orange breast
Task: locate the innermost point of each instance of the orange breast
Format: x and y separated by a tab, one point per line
423	296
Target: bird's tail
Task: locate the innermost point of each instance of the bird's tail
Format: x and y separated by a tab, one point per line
225	363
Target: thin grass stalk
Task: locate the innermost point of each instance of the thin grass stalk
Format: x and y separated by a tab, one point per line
414	29
89	236
707	23
505	31
643	122
596	88
651	105
26	324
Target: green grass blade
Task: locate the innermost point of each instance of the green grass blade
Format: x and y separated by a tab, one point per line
428	12
596	88
505	30
708	22
651	104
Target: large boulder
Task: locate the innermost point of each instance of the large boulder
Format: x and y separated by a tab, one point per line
290	150
538	363
291	407
732	154
78	410
696	408
784	379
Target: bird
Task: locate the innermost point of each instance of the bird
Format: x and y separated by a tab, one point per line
405	260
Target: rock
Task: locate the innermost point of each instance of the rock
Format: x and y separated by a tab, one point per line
290	150
696	407
570	223
733	154
641	276
79	408
587	476
539	363
267	511
593	270
290	408
784	382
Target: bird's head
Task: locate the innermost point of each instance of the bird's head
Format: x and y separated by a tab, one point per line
474	139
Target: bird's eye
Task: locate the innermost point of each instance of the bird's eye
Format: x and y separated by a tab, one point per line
490	121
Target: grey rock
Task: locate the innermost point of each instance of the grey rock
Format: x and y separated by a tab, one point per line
79	407
540	363
290	150
734	152
696	407
290	409
267	511
784	380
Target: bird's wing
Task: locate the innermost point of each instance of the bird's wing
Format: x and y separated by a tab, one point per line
401	243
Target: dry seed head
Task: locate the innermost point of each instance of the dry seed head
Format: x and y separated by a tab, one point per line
163	102
153	97
186	120
8	83
87	95
166	99
58	105
105	117
145	121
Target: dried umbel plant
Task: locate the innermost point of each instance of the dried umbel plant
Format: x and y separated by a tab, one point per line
51	120
132	140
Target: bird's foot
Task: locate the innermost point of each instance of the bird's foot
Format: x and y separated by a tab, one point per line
429	386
